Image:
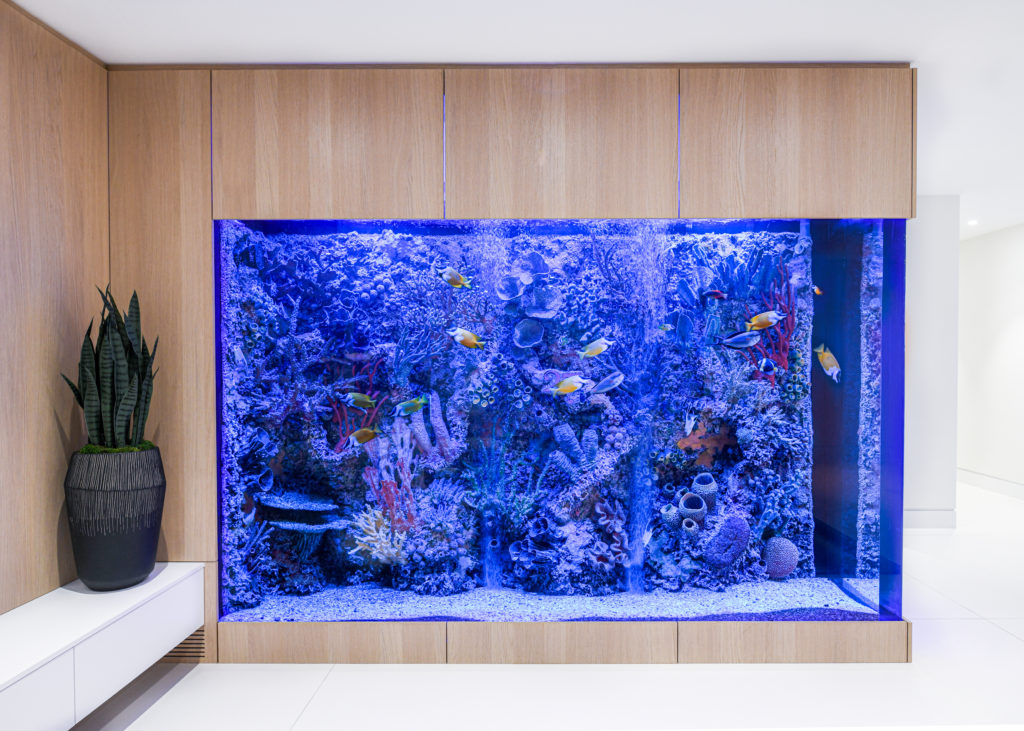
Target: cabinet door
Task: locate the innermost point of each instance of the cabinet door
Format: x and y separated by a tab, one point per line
822	142
561	142
161	239
327	143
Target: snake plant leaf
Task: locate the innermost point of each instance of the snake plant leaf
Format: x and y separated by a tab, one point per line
146	395
133	325
106	385
74	389
121	375
124	412
91	408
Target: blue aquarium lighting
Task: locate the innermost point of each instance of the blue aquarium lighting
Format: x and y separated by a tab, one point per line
560	420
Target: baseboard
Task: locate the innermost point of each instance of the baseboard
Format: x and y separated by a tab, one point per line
989	482
929	519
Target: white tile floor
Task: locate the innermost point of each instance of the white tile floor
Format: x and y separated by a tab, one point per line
964	591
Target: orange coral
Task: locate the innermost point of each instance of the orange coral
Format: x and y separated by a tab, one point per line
705	444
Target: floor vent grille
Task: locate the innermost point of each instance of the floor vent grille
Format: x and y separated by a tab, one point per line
191	649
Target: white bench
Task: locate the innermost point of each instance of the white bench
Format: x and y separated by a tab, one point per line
68	651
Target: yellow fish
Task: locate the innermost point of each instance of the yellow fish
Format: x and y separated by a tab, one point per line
362	436
359	400
595	348
667	327
764	320
829	364
568	385
466	338
452	277
409	407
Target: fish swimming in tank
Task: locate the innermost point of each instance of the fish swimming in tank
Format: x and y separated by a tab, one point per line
828	362
764	320
514	447
568	385
741	340
407	408
817	290
466	338
595	348
358	401
362	436
452	277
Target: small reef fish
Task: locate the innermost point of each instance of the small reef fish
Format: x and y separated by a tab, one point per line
667	327
764	320
829	364
358	400
452	277
690	423
595	348
568	385
362	436
466	338
713	294
612	380
741	340
410	407
766	366
817	290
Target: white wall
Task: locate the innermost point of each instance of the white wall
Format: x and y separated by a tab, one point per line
991	424
930	443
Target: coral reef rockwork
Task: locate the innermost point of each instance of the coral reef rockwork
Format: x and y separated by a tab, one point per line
432	407
869	430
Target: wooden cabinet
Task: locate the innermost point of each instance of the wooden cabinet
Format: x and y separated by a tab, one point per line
327	143
797	142
561	142
161	244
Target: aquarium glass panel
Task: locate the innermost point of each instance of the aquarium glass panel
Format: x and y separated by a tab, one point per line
560	420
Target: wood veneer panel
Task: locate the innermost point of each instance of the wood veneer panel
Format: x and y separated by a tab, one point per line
328	143
785	642
335	642
53	250
561	142
161	244
562	642
797	142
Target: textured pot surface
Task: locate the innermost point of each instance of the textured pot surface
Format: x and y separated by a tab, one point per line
115	502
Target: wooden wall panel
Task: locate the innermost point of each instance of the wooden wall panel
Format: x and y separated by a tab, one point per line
824	142
334	642
53	251
561	143
161	244
327	143
785	642
561	642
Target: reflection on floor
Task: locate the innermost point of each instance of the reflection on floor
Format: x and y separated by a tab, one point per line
964	591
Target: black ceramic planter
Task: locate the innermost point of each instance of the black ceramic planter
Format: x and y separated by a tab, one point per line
115	502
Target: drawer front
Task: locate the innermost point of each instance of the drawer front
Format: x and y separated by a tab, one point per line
42	700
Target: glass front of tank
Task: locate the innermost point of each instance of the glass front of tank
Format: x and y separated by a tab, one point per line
560	420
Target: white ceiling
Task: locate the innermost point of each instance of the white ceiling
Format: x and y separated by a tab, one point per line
968	52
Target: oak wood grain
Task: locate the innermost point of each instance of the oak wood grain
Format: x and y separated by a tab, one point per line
161	244
334	642
53	251
561	642
796	143
561	143
327	143
787	642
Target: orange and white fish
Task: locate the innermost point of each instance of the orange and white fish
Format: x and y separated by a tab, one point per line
362	436
569	385
452	277
595	348
466	338
829	364
817	290
764	320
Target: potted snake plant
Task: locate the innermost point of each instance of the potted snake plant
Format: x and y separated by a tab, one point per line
115	484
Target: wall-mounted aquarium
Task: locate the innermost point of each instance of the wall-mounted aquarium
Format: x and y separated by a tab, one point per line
560	420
